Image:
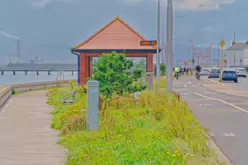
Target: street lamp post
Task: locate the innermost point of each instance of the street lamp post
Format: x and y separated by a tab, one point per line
234	53
158	46
169	45
218	55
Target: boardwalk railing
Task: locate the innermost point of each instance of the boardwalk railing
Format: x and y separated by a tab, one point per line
8	91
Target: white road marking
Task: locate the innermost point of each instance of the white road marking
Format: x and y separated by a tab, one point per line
211	98
229	134
184	94
189	82
206	104
6	105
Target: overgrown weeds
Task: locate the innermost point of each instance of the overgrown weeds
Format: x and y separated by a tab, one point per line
157	128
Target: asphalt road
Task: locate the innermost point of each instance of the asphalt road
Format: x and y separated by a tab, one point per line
225	116
241	85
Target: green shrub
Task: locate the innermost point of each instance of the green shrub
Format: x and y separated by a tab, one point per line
116	75
13	91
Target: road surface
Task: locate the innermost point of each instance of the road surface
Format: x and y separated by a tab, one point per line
225	116
241	85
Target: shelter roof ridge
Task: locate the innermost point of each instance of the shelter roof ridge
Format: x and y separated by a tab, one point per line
106	26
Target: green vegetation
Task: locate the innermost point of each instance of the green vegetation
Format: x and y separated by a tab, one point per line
163	69
162	82
116	76
246	68
158	128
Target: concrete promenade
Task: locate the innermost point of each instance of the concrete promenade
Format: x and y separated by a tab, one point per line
26	135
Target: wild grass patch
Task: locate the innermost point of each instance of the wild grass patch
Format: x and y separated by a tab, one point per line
158	128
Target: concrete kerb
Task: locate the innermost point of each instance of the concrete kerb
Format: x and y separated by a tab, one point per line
221	156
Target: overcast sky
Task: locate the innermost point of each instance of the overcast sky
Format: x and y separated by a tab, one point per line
49	28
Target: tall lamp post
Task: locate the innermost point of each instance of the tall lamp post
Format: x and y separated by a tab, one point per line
158	46
169	45
234	53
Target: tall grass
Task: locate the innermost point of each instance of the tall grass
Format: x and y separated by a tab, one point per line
156	129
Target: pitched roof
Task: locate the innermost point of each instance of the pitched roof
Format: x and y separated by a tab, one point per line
115	35
238	46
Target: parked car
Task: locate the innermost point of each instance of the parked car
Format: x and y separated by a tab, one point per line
241	72
205	71
214	73
229	75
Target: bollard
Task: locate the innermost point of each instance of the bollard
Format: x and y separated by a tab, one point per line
49	72
14	73
149	80
93	105
37	73
2	72
72	73
26	72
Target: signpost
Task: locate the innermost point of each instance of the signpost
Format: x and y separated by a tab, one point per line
148	43
222	44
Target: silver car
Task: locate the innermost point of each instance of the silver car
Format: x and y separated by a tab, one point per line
241	72
205	71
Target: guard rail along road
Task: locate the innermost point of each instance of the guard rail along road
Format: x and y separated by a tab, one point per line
7	91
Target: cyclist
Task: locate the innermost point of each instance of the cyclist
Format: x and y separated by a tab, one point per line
177	71
198	70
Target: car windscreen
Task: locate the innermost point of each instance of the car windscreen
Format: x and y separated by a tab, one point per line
215	70
205	70
241	70
229	72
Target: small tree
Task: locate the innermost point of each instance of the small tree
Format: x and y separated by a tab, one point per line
141	66
246	68
115	74
163	69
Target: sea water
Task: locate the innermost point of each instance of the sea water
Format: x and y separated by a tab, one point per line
20	78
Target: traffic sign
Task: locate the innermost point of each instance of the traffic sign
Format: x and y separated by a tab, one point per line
222	43
148	43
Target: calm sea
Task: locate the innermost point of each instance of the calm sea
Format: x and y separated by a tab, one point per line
20	78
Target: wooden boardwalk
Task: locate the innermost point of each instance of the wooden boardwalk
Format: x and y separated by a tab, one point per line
26	135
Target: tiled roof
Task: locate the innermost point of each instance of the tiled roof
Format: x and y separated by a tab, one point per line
238	46
115	35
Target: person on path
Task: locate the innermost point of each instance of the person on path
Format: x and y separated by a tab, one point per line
198	70
177	71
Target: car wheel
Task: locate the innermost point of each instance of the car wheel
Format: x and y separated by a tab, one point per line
236	81
244	76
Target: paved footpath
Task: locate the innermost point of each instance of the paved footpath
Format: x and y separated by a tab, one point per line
26	135
225	116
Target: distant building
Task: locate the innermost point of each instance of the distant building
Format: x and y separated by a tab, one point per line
237	54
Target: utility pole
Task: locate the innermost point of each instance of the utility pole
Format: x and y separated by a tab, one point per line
158	46
169	45
234	53
163	48
222	44
218	54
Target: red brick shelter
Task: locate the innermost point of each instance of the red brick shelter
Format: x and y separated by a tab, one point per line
117	36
